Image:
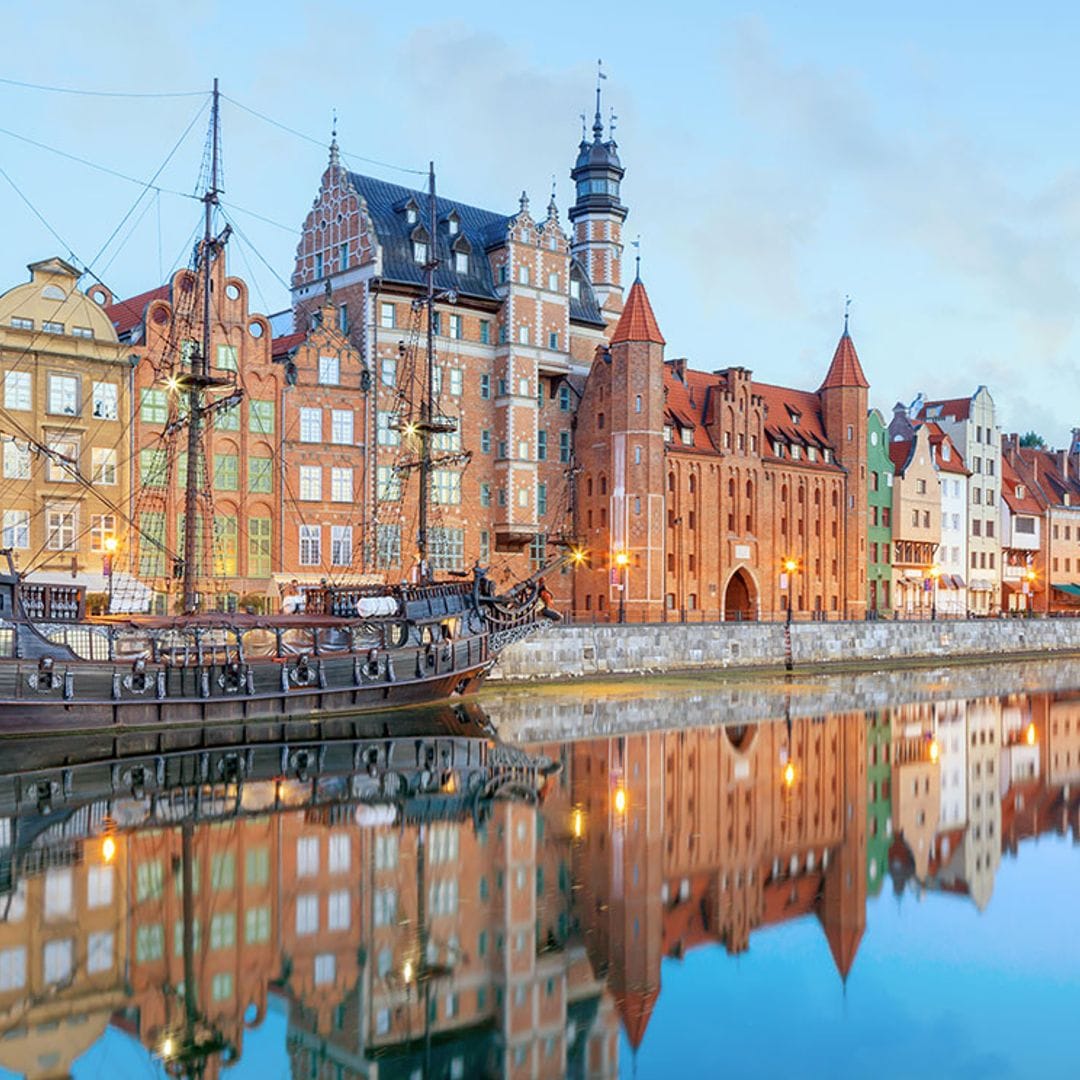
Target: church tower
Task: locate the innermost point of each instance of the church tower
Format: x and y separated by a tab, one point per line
597	215
844	402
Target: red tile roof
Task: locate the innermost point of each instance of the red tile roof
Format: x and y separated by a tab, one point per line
635	1008
955	462
637	322
1010	481
125	315
280	346
845	369
956	408
900	452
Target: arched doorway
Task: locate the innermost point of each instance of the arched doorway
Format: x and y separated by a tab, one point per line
740	598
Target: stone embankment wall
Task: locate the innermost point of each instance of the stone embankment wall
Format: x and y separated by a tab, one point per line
562	652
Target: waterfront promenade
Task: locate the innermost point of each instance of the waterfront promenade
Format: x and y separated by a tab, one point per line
595	649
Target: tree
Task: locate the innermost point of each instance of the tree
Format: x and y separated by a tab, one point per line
1033	440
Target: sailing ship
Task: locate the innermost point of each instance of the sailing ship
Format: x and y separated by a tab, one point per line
354	647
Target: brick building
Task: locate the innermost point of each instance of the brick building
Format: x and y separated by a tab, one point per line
325	409
694	488
521	308
879	523
235	541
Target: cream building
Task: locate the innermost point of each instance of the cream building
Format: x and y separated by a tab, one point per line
64	425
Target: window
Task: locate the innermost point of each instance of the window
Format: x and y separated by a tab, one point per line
455	326
341	484
329	370
388	546
99	885
456	381
920	487
324	969
485	387
687	436
22	324
564	446
226	357
541	445
58	960
58	892
261	417
388	371
260	475
307	913
310	483
149	942
64	395
16	460
386	851
310	425
341	545
221	986
385	907
485	494
447	548
310	545
16	531
446	487
541	499
257	866
17	393
103	465
61	528
52	327
338	910
504	334
419	252
575	288
523	335
223	930
104	403
256	925
553	339
387	432
102	528
388	484
388	316
307	856
226	472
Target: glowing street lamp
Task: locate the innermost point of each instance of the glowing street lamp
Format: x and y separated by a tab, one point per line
935	751
108	849
789	775
577	556
1030	736
790	568
622	561
620	800
107	563
934	573
577	823
407	972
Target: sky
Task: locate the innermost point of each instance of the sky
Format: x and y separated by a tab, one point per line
779	157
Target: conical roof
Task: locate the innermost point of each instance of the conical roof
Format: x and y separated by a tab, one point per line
845	369
637	322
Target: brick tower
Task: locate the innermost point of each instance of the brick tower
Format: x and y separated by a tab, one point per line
844	412
620	450
598	216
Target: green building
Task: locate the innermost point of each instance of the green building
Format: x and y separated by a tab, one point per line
879	799
879	469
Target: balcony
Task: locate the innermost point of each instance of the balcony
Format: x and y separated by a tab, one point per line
514	535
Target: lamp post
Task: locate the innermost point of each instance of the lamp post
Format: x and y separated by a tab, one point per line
1030	578
935	575
622	561
110	551
787	579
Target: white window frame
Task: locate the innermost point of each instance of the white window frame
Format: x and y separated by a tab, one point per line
310	425
307	914
310	486
105	401
16	529
310	545
329	371
339	910
103	465
341	545
341	427
63	399
341	483
18	391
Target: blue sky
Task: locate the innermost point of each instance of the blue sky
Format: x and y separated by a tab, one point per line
778	155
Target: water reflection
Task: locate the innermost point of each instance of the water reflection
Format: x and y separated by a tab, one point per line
440	904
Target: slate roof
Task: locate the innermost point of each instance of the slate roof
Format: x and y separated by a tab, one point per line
480	229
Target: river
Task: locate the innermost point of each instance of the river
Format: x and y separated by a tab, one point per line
867	874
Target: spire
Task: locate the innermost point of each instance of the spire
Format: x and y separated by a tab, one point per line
598	123
845	369
335	157
637	322
523	203
552	208
636	244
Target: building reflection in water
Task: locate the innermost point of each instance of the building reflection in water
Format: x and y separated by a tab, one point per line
478	911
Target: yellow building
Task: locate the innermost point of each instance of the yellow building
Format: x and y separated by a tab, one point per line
65	387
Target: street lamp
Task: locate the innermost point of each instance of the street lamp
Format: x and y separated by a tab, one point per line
787	582
622	561
1030	577
935	576
107	564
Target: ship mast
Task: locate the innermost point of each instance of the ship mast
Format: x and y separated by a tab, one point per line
199	377
426	426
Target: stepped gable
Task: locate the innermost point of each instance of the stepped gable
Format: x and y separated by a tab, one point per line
637	321
125	315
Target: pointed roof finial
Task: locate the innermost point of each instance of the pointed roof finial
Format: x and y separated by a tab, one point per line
611	123
523	203
847	308
636	244
335	157
598	123
552	209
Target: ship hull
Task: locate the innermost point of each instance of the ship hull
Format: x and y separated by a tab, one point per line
348	690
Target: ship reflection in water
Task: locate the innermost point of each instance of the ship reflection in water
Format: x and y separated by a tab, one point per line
439	904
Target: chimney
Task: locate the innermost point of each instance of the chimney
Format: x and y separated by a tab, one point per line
1063	464
678	366
1074	447
1009	445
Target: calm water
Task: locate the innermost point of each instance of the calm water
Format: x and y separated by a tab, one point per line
740	880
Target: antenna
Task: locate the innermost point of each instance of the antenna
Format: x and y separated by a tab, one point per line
598	124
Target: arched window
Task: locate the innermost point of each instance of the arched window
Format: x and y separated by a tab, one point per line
637	403
692	483
731	488
749	489
603	485
588	486
671	481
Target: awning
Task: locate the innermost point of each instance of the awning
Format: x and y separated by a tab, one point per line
1072	590
129	594
958	582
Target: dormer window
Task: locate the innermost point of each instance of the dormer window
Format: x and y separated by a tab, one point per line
412	213
575	287
453	224
946	452
796	452
795	415
811	453
420	245
461	262
777	448
687	436
669	433
1019	490
827	455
